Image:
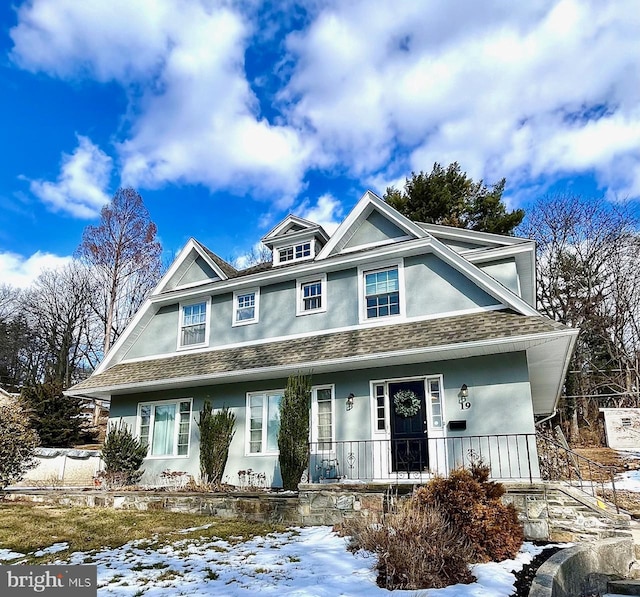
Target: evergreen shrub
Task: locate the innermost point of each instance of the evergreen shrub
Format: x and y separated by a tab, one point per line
216	432
123	455
293	436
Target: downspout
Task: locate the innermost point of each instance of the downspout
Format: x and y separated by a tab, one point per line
553	414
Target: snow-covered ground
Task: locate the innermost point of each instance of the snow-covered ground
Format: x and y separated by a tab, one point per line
629	481
309	562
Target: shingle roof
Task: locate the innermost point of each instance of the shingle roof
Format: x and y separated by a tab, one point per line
226	267
362	342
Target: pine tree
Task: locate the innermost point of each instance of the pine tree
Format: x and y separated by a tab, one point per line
216	432
450	197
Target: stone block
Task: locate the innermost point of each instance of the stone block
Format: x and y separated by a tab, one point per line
345	502
536	530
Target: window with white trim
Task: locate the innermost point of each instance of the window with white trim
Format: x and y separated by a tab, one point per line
193	324
294	252
312	295
245	306
382	293
263	421
435	395
165	426
322	418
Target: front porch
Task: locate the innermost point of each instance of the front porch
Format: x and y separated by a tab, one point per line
510	457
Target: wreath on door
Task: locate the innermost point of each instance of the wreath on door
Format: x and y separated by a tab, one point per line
407	403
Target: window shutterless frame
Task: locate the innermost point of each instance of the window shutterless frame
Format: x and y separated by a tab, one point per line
166	438
246	307
323	418
193	324
262	422
311	294
381	291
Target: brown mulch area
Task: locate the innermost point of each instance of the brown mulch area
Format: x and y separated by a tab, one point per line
525	577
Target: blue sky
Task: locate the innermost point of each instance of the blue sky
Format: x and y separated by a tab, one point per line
228	115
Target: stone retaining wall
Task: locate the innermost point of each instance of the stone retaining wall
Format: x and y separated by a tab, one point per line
547	512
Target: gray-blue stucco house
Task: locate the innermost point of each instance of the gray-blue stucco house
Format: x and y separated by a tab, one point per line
423	343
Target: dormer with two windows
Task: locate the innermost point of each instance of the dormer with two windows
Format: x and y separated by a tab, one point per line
294	240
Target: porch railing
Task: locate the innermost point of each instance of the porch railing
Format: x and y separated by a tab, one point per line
510	457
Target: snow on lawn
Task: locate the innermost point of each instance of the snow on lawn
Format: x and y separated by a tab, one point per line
309	562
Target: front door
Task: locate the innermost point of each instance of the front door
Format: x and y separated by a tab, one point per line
408	426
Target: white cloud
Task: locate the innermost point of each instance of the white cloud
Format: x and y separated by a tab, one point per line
80	188
547	88
19	271
498	88
193	115
327	212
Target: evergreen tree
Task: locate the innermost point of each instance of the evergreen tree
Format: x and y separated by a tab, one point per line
123	455
17	445
55	417
450	197
293	436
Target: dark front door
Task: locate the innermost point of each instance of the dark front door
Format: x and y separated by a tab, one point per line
408	426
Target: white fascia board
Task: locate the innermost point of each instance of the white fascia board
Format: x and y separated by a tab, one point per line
465	234
483	280
370	200
128	330
382	359
482	255
288	221
192	245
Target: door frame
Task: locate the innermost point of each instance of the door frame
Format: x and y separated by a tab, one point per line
382	449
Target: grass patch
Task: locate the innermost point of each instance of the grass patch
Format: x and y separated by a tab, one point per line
25	528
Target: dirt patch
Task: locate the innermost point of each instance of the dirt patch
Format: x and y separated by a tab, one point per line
620	461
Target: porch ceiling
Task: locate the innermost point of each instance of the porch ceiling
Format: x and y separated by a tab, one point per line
548	345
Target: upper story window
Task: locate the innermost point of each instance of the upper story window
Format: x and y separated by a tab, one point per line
245	306
312	295
294	252
382	293
193	324
165	426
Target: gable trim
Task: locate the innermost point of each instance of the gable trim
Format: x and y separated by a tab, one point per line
367	201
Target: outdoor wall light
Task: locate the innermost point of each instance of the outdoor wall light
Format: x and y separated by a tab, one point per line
463	397
350	398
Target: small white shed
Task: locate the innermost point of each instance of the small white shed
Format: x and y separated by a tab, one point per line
622	427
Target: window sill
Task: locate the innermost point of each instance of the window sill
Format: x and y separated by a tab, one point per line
236	324
168	456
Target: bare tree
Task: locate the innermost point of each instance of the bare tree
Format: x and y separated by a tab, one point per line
58	309
125	258
588	277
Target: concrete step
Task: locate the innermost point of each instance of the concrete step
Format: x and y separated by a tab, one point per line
624	587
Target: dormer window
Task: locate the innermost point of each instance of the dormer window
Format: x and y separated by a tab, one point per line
295	252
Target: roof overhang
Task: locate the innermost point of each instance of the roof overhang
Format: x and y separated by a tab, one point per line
548	356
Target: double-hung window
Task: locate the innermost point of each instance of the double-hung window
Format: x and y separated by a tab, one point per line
263	422
312	295
245	306
193	324
165	426
381	293
322	418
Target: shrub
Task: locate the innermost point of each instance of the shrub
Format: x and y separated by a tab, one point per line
216	432
122	454
17	445
472	504
417	547
293	436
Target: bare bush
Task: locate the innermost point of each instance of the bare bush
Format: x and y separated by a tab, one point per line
415	547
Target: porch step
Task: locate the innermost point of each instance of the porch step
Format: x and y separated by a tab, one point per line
623	587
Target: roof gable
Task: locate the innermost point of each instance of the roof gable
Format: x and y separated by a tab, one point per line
293	226
371	223
195	264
